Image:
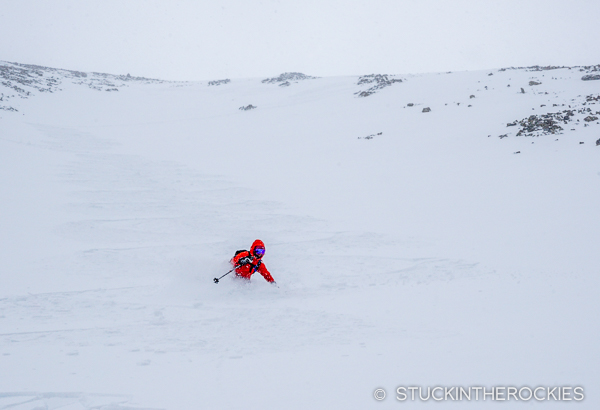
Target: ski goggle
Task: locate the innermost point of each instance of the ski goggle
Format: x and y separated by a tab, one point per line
259	251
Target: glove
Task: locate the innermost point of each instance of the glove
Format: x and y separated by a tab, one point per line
243	261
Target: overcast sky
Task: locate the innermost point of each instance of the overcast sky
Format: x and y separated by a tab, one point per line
212	39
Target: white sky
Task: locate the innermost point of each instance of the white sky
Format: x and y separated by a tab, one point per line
205	40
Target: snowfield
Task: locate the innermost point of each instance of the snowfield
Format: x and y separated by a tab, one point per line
410	248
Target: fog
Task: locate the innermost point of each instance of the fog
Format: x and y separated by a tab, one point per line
203	40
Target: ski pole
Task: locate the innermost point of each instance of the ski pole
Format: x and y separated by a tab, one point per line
216	280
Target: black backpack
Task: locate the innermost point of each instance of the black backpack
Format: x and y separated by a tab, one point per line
254	267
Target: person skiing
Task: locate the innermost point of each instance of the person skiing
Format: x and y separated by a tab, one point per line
248	262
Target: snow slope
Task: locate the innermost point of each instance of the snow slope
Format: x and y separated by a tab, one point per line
410	248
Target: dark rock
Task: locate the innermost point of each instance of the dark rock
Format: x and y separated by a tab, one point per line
370	137
502	136
532	83
590	118
517	152
219	82
534	68
286	77
591	98
544	124
591	77
522	90
248	107
598	142
380	81
409	104
471	96
426	109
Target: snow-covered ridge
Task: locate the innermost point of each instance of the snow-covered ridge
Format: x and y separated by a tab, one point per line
551	117
24	80
283	80
587	68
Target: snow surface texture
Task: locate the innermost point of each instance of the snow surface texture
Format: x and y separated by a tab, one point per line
411	247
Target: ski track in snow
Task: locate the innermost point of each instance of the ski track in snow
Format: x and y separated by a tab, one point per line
69	401
146	216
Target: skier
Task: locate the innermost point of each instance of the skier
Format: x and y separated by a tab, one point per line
248	262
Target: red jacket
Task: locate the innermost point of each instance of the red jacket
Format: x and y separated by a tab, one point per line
255	265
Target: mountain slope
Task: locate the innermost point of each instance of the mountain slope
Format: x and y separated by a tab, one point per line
410	247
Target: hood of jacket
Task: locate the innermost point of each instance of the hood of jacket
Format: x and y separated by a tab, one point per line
257	244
